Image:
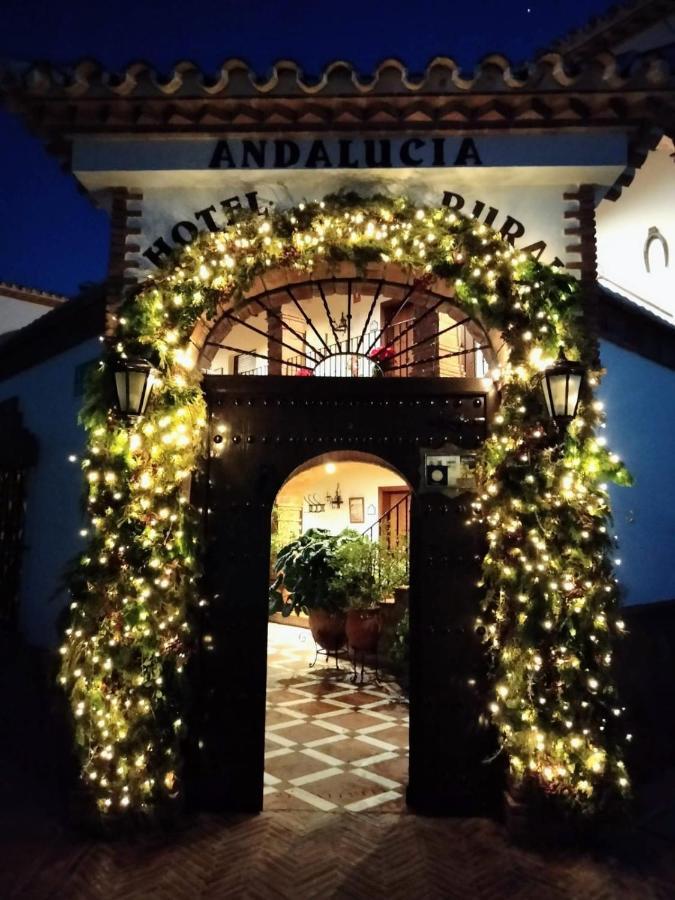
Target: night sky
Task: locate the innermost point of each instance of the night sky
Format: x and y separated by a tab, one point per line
52	238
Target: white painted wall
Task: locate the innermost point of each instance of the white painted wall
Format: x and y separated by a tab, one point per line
639	396
50	409
623	227
18	313
356	479
533	197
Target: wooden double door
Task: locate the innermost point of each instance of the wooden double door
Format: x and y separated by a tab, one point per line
260	430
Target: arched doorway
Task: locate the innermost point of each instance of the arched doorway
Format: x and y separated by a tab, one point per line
260	431
427	427
336	736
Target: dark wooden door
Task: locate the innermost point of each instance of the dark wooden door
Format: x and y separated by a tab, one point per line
261	429
450	742
394	515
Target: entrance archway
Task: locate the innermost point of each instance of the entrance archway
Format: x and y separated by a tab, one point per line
259	435
137	584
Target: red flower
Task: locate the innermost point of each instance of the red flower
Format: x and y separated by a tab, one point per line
381	354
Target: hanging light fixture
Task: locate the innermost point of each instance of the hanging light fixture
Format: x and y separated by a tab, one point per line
562	386
133	384
341	327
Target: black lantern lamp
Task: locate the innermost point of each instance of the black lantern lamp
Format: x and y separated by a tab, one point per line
562	386
133	382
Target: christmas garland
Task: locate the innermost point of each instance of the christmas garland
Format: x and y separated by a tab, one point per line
551	598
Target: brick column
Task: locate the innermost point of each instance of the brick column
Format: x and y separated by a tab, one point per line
581	225
125	214
274	350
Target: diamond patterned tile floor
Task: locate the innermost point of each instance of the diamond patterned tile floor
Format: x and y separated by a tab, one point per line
326	737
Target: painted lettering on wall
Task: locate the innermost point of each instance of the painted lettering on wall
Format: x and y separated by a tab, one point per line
217	216
345	153
511	229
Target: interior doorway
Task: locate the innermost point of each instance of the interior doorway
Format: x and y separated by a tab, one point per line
336	735
394	507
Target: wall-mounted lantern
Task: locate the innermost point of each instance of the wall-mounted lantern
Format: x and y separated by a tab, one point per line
133	384
562	386
335	500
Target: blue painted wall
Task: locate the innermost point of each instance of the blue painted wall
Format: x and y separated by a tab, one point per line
639	397
50	404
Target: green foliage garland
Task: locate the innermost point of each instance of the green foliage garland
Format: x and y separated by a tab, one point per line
551	598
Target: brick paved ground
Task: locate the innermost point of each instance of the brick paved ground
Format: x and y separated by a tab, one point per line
289	853
300	855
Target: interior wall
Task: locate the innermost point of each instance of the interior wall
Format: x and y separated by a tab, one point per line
356	479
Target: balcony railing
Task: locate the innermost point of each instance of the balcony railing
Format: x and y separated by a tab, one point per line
392	351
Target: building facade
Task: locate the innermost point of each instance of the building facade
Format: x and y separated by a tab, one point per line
569	159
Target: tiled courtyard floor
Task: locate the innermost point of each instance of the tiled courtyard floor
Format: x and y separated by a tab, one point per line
299	854
330	744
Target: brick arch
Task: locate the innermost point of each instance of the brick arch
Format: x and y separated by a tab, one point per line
396	277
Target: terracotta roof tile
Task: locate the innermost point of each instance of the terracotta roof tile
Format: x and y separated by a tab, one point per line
30	295
618	23
549	72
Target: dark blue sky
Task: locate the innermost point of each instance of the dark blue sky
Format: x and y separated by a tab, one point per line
52	238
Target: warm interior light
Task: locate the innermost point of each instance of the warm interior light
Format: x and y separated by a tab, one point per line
330	468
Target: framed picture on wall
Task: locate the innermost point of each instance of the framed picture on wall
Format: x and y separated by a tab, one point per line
356	516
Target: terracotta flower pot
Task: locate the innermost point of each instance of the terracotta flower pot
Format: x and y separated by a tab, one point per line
364	627
328	629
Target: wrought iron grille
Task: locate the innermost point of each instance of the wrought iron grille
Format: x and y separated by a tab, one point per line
324	326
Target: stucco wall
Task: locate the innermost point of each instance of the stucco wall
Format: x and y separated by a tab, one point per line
50	406
639	396
642	221
15	314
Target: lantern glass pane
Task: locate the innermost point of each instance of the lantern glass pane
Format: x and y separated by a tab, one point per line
573	394
136	391
547	397
122	396
557	385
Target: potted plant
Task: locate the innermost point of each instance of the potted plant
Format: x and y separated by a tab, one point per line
307	582
357	559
